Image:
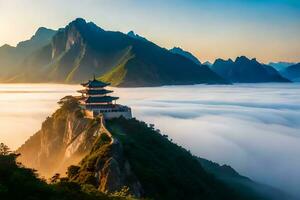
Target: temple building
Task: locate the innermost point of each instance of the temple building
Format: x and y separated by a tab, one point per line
95	100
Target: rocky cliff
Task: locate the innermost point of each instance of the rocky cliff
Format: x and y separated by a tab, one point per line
64	138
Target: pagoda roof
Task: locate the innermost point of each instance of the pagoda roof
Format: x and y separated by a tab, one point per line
103	99
95	84
95	92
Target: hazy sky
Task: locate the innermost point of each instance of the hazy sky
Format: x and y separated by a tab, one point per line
265	29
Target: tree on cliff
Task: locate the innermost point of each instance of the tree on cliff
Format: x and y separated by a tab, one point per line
18	182
4	150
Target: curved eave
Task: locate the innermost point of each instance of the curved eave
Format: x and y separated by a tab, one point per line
104	99
95	92
95	84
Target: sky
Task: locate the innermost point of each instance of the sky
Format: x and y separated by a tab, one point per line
268	30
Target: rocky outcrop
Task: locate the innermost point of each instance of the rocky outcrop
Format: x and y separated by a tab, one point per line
63	139
68	137
107	168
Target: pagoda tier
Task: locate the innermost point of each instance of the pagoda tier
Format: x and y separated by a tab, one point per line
95	101
98	100
95	84
94	92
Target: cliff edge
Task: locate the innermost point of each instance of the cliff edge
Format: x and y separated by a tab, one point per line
123	155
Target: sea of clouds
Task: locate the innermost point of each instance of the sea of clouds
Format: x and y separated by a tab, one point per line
255	128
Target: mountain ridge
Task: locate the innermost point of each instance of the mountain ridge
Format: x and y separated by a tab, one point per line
244	70
11	58
279	66
180	51
82	49
292	72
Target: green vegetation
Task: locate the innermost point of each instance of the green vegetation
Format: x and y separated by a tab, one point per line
166	170
18	182
242	184
117	75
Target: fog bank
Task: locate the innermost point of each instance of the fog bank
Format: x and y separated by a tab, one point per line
254	128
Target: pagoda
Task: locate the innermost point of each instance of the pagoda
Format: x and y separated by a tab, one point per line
95	100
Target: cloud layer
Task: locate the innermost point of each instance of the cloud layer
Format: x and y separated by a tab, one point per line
254	128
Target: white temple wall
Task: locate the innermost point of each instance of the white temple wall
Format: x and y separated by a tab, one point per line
113	114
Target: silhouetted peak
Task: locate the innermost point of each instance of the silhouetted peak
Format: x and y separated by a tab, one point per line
79	21
6	46
220	60
207	63
177	48
81	24
132	34
182	52
43	30
242	59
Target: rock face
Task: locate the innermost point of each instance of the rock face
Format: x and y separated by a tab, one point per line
68	137
64	138
107	168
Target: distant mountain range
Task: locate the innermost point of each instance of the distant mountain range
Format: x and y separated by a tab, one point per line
12	58
207	63
81	50
279	66
292	72
186	54
244	70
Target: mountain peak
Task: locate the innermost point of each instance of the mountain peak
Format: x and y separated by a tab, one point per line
177	48
186	54
242	59
244	70
79	21
43	30
132	34
220	60
83	26
6	46
207	63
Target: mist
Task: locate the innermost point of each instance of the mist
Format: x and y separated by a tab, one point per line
252	127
